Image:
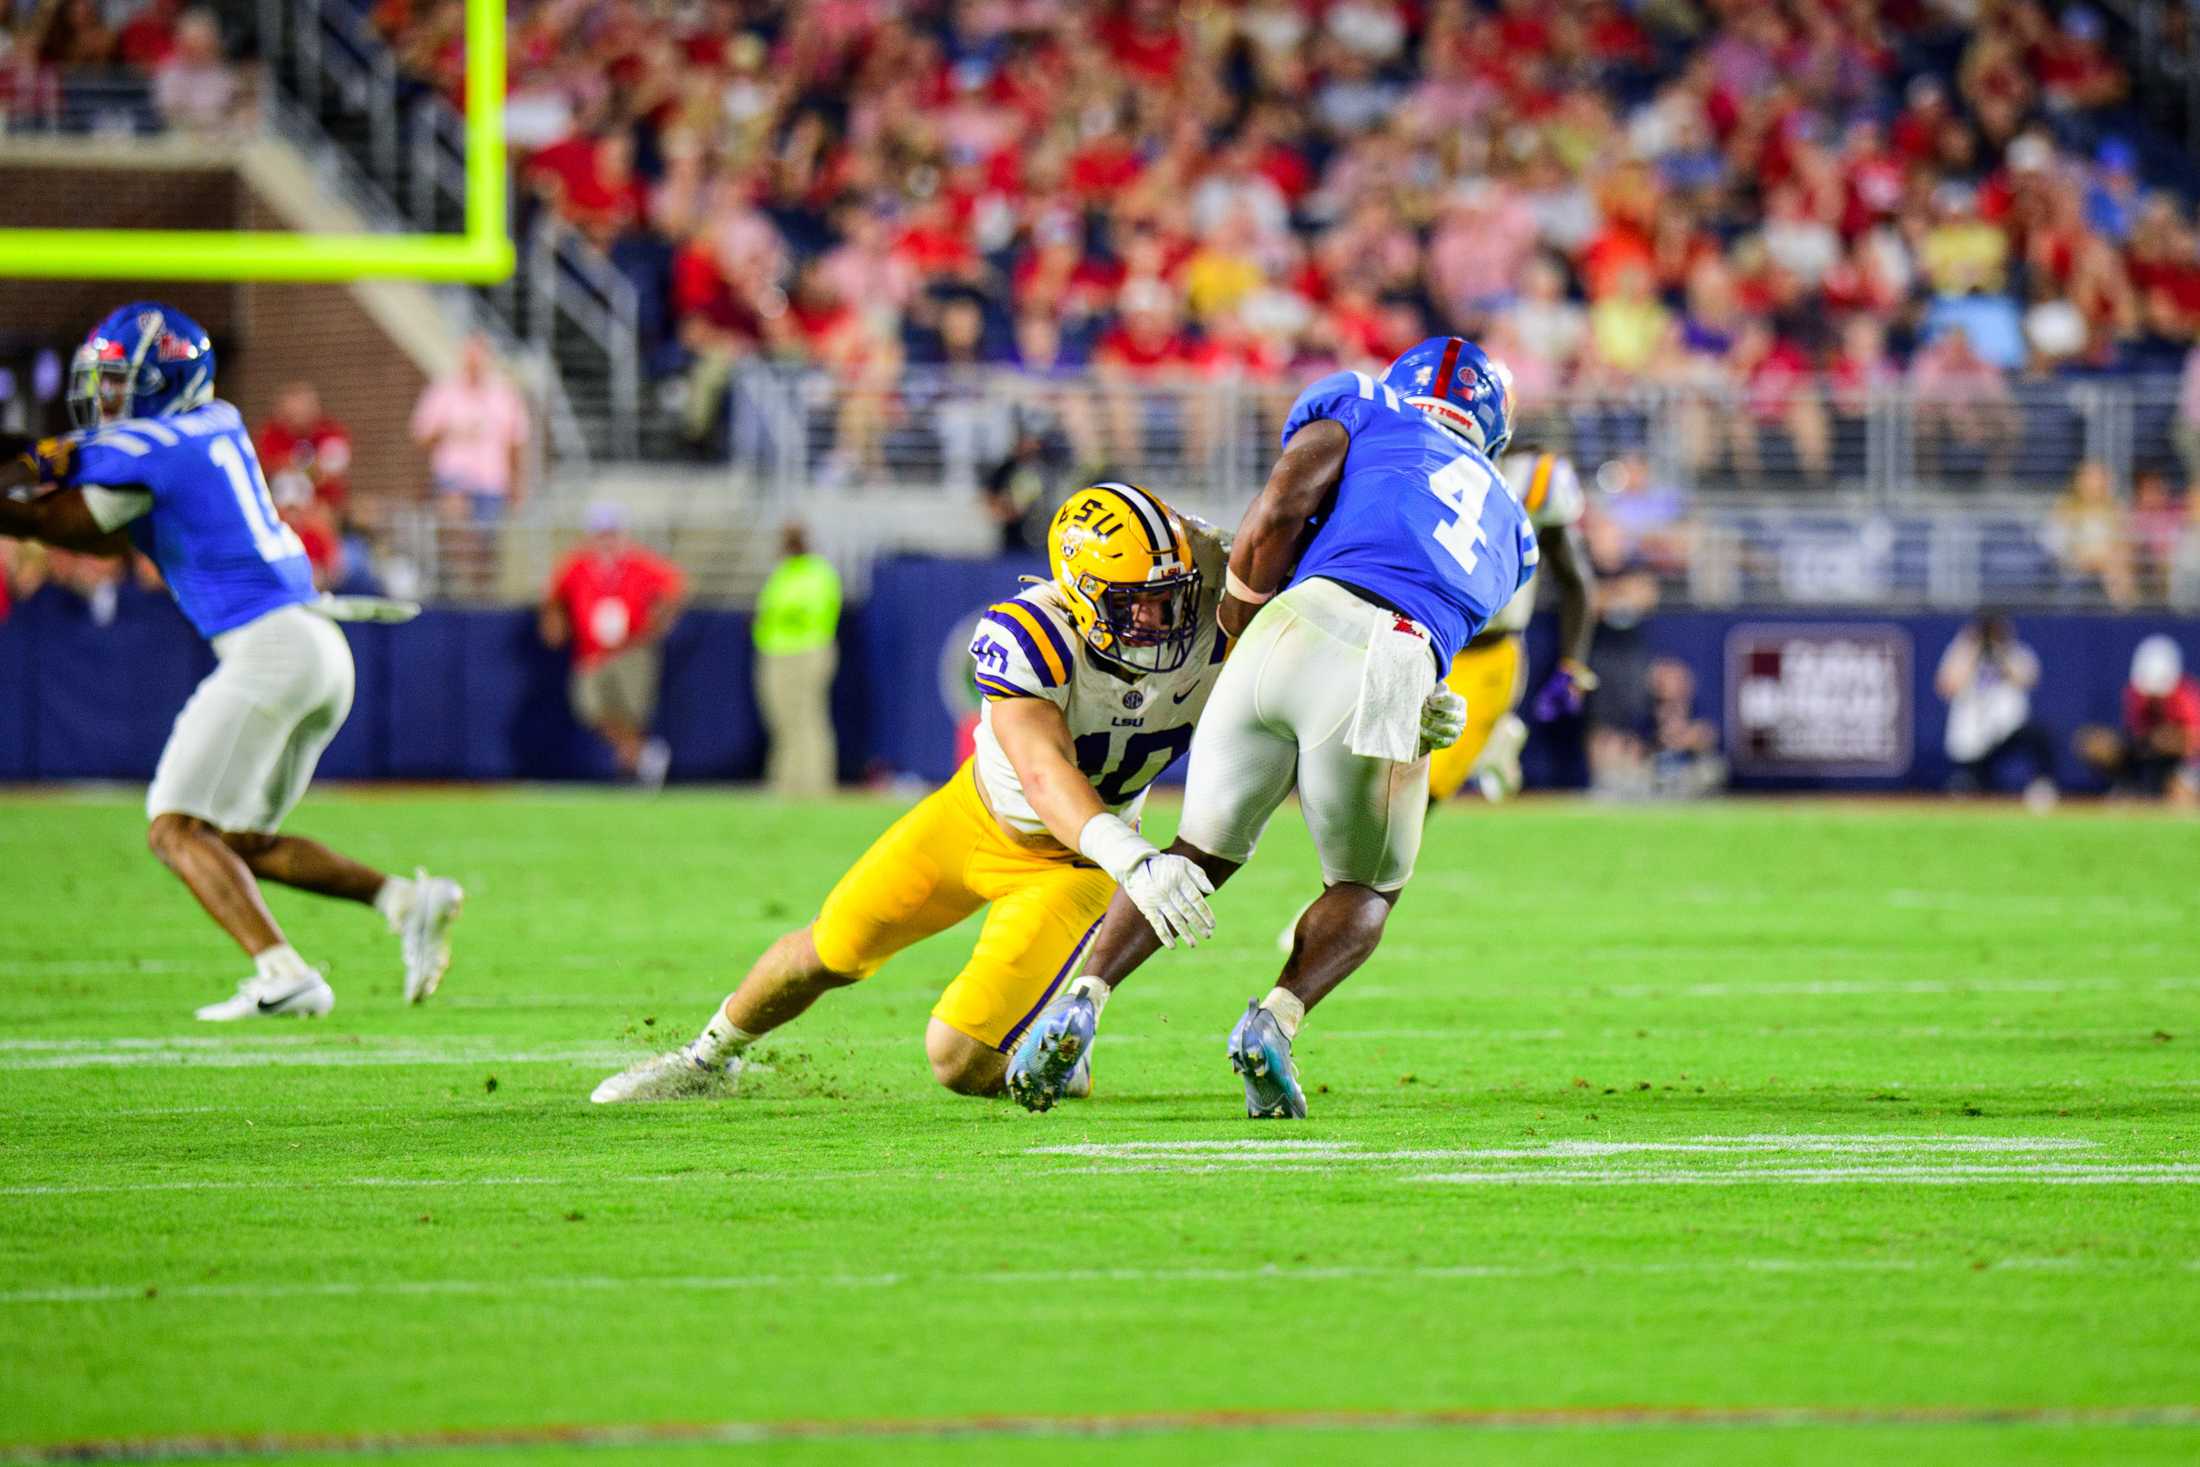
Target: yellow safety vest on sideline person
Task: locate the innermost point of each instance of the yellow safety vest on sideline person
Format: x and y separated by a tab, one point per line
799	610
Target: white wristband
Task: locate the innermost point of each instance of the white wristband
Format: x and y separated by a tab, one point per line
1241	591
1113	846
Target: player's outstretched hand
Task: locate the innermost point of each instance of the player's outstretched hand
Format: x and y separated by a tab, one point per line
1172	893
1443	719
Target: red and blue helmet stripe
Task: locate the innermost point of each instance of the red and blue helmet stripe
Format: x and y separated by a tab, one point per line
1460	387
163	359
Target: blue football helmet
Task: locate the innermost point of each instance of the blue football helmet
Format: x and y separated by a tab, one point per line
1462	388
146	360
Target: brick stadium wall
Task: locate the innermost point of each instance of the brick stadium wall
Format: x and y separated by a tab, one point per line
266	335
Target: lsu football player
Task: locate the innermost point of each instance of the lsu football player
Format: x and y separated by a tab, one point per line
1489	672
1091	683
161	465
1383	541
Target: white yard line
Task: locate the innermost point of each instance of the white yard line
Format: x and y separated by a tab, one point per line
1508	1420
1762	1159
1752	1144
317	1059
1012	1278
2103	1176
1765	1158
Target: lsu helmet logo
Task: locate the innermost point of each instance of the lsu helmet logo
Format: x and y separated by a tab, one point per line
1075	538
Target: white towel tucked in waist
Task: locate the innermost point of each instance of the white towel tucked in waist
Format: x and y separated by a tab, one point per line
1395	681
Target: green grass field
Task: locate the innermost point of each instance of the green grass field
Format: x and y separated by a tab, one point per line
1763	1134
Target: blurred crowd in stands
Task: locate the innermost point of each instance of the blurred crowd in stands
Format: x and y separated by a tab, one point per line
1790	205
178	52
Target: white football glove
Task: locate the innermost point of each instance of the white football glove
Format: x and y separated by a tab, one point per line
1443	719
1170	891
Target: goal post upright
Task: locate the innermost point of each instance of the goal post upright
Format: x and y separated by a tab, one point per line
481	254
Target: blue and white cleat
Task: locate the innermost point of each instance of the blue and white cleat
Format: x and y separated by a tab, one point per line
1047	1060
1260	1053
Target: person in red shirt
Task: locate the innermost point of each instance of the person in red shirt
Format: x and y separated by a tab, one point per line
610	604
148	37
590	181
2158	750
1146	41
301	441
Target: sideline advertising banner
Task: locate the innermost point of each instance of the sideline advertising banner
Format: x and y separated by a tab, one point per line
1818	700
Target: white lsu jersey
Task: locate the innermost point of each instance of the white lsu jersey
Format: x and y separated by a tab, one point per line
1125	732
1550	491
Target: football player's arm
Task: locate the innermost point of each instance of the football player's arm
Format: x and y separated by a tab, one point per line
1169	891
1565	552
1566	690
1035	736
1273	532
63	518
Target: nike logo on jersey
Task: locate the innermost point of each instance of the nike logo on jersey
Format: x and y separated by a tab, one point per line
1180	697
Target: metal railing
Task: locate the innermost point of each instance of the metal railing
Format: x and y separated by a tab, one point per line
794	429
83	101
1705	550
331	63
424	553
564	282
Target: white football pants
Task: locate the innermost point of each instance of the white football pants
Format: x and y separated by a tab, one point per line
1281	715
244	747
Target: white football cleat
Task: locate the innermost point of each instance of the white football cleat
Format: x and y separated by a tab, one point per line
268	998
675	1075
426	933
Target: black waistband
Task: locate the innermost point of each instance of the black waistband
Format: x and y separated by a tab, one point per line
1368	596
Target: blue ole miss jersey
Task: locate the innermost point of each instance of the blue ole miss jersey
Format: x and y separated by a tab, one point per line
1420	520
210	525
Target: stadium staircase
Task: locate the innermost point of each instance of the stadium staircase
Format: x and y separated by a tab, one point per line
567	307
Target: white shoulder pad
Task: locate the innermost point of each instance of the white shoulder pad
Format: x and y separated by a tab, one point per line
1547	487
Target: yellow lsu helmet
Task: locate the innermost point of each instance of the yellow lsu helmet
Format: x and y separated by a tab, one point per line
1125	566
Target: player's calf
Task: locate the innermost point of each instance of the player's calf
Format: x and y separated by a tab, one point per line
282	983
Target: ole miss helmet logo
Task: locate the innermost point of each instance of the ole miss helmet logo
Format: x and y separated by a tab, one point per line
1460	388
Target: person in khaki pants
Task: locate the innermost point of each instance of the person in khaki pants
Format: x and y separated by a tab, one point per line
797	620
